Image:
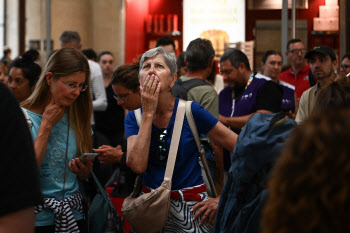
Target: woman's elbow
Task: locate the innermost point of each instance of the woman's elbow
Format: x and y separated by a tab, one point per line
135	168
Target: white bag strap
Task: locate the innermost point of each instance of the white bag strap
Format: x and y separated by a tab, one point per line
174	145
175	139
29	122
138	116
202	159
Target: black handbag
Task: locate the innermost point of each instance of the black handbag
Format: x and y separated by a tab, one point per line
103	217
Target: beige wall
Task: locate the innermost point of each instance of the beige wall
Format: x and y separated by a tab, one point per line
12	21
268	37
99	23
71	15
108	28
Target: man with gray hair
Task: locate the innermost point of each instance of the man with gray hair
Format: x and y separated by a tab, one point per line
71	39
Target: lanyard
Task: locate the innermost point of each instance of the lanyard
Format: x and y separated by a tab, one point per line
248	83
250	80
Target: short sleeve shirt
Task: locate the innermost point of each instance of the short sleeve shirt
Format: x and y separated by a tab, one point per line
187	172
51	171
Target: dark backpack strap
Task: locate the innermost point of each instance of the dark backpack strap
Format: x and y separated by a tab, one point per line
312	80
181	88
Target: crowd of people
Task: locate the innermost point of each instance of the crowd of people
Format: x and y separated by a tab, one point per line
81	102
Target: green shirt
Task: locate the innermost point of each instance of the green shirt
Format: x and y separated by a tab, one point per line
205	95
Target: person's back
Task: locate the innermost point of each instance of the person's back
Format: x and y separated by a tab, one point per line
18	172
258	145
199	58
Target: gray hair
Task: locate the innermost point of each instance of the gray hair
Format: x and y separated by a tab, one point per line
68	37
169	57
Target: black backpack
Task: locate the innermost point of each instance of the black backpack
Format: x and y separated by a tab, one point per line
181	88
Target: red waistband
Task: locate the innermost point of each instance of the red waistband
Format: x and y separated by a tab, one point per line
188	194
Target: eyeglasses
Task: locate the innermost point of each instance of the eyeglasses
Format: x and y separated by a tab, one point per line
297	51
161	149
344	67
72	86
121	99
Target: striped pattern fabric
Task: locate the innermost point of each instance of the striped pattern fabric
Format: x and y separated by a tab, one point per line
64	218
180	219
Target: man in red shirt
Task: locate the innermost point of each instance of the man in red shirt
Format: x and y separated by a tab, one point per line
298	74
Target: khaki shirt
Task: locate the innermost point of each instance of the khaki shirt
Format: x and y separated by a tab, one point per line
204	95
307	103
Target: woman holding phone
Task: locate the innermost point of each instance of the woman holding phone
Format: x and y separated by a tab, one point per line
60	110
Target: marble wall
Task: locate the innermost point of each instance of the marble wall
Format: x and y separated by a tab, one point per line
99	23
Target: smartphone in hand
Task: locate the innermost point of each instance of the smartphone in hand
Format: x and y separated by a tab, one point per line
87	155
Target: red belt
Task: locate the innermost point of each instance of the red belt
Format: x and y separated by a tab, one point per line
188	194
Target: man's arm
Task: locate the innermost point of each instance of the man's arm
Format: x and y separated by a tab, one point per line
235	122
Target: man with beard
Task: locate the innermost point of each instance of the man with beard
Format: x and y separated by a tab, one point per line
248	92
322	63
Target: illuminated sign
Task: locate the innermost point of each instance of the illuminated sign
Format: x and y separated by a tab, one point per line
220	21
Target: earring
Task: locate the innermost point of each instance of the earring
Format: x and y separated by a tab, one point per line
170	90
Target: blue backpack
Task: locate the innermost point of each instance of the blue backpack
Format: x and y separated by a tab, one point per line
258	146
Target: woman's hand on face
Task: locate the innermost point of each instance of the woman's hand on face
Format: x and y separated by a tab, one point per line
53	113
109	154
81	168
149	94
207	208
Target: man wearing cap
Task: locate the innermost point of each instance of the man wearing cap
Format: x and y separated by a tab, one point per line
322	64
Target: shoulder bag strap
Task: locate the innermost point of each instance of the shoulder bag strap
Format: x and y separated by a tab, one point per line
138	116
202	158
103	192
174	145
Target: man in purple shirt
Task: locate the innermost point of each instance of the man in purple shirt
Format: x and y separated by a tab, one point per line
247	93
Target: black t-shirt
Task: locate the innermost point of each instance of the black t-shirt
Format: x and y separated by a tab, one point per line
110	121
19	180
269	97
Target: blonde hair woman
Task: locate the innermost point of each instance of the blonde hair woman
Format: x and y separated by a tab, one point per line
60	109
